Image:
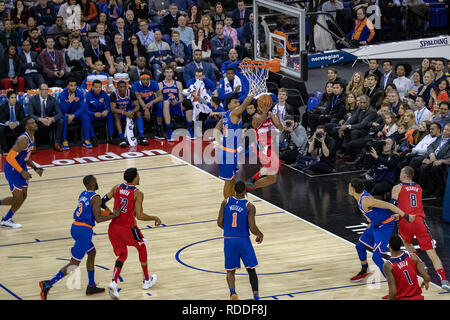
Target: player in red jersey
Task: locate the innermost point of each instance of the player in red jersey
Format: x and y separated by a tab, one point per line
264	122
123	231
401	273
408	197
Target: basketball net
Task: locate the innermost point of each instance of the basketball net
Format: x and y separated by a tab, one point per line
256	72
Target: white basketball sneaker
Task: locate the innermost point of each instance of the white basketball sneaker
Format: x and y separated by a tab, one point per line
150	282
112	290
10	224
445	285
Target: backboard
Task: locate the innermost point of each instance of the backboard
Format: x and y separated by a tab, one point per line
274	21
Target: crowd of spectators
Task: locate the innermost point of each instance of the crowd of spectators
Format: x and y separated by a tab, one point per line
383	121
173	57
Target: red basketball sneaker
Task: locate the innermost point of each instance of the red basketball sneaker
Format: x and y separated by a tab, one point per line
359	276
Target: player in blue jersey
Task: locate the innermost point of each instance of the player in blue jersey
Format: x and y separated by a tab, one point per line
237	219
124	104
72	103
150	99
231	127
381	224
16	171
172	92
87	213
99	109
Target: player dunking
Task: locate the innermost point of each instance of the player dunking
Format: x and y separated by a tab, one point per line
236	218
231	127
88	212
401	273
381	224
16	171
408	197
123	231
263	122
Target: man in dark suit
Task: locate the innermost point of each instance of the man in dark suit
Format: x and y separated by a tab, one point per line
373	69
141	68
240	15
11	115
31	70
388	75
373	91
170	21
197	63
44	109
434	168
357	127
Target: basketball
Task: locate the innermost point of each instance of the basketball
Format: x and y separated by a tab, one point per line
265	101
105	212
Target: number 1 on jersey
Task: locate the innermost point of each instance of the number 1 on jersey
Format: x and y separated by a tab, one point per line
234	223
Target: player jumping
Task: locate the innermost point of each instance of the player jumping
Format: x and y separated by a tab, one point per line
16	171
231	127
236	218
264	122
408	197
86	214
124	231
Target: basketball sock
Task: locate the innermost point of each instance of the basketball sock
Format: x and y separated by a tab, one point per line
169	126
8	215
117	270
91	277
145	270
441	274
364	268
190	124
121	135
232	291
159	121
56	278
256	296
140	127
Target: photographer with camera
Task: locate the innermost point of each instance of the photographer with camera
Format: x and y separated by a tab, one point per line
384	164
321	153
293	140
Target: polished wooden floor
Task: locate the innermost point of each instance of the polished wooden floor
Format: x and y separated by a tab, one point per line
297	260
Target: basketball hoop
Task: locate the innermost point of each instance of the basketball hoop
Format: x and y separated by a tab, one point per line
257	72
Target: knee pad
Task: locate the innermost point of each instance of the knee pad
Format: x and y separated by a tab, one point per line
187	104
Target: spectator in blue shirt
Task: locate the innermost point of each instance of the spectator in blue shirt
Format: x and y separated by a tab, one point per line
98	108
72	103
220	46
180	51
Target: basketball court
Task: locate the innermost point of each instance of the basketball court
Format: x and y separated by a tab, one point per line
297	260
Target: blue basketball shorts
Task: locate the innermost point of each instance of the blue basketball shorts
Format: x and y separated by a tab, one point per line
176	110
83	241
15	180
227	165
377	238
236	249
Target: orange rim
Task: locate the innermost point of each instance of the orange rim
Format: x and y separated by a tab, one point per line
272	65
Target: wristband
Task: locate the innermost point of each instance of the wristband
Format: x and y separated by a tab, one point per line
105	199
406	217
394	202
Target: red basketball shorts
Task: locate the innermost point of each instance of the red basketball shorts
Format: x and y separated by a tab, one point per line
123	236
419	229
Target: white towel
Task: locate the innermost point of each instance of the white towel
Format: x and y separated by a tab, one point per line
129	133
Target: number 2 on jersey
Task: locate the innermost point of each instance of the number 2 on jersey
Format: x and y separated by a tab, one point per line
123	205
